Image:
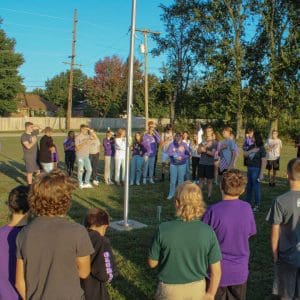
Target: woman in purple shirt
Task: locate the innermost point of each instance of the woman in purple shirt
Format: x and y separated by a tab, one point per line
150	141
233	222
179	153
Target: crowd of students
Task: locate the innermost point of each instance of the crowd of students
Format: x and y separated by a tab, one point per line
202	254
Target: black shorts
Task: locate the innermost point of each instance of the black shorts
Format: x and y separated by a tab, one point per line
232	292
206	171
273	164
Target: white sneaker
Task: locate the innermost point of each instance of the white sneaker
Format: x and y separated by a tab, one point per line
111	183
144	181
131	183
87	186
81	186
169	197
137	183
256	208
151	181
95	182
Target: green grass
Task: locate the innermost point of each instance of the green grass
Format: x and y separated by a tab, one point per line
135	280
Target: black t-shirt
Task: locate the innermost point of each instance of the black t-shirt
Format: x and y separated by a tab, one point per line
254	159
103	268
46	143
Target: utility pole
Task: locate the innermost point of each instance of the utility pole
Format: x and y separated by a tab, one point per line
144	50
69	109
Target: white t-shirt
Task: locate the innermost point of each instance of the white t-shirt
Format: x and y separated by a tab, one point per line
200	133
273	148
120	147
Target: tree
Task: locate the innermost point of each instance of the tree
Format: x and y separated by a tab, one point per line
10	80
56	88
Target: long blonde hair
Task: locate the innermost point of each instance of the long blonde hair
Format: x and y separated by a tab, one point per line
189	201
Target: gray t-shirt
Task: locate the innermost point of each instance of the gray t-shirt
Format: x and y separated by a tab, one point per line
49	247
85	149
26	137
94	146
226	153
206	159
285	211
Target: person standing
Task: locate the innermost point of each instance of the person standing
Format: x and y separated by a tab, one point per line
103	267
120	155
30	150
255	159
136	164
70	155
47	148
166	140
108	146
284	216
150	141
53	253
195	158
94	155
199	132
273	147
82	146
184	249
187	141
179	153
226	152
233	222
18	207
207	150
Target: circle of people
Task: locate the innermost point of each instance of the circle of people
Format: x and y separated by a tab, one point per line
202	254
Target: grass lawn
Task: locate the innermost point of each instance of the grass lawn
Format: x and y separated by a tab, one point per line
135	280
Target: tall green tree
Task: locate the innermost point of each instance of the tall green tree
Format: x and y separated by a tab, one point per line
56	88
10	80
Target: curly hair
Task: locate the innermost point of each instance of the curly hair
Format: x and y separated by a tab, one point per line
233	182
189	201
50	194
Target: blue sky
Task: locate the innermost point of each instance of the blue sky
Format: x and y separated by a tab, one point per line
43	33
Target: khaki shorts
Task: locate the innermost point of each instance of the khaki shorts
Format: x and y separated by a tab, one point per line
188	291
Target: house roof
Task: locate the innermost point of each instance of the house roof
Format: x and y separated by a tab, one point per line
35	102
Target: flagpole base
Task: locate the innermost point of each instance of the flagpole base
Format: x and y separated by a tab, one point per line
131	224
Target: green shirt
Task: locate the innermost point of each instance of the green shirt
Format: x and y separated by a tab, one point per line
184	251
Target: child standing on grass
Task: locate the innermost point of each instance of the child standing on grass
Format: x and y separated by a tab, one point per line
108	146
233	222
70	155
94	155
18	207
53	253
136	164
273	147
195	158
120	153
102	260
284	216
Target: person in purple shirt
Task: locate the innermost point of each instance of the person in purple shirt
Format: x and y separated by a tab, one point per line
150	141
136	164
233	222
109	150
179	153
18	206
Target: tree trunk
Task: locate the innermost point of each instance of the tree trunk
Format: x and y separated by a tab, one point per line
172	108
240	131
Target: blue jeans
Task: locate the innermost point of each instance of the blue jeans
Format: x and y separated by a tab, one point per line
149	162
136	165
177	173
84	163
253	185
187	172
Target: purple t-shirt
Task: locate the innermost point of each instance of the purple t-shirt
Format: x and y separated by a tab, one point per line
178	153
150	143
233	223
8	259
107	145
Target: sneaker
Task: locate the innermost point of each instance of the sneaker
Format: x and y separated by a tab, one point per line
144	181
95	182
256	208
151	181
169	197
131	183
81	186
87	186
137	183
